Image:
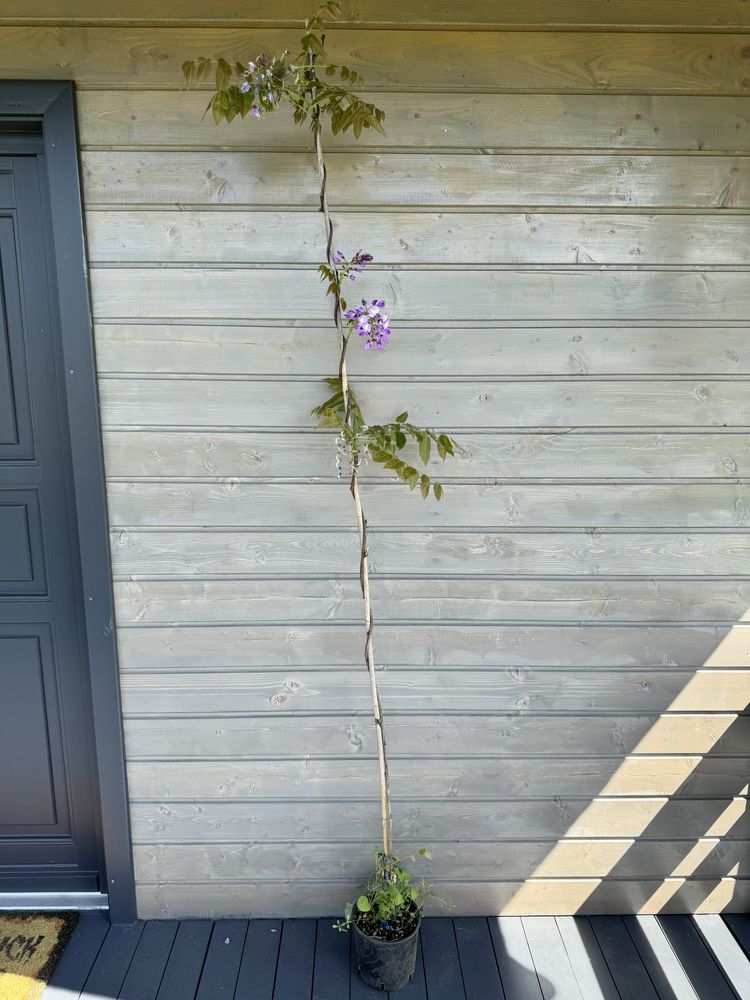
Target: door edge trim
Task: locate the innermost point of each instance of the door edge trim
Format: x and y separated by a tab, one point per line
53	102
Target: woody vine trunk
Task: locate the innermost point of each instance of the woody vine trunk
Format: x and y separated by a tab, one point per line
257	89
364	569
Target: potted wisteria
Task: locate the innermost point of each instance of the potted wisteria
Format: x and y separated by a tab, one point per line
386	915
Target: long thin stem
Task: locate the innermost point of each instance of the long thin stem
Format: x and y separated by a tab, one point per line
364	571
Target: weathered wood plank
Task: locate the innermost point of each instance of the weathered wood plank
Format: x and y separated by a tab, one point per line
419	238
226	553
419	294
594	455
268	505
472	600
459	778
582	402
470	121
555	897
419	59
448	736
158	861
307	349
490	13
385	179
435	692
421	644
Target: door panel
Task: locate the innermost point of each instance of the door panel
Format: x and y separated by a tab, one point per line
48	823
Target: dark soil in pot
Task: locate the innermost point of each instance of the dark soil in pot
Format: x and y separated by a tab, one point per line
387	956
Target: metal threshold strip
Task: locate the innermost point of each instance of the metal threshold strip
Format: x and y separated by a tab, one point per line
54	901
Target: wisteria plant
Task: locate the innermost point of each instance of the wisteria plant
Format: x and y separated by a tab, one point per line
318	90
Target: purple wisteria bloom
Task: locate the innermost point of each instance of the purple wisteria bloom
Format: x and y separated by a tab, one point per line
351	268
265	77
371	323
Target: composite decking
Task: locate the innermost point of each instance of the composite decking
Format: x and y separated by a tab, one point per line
465	958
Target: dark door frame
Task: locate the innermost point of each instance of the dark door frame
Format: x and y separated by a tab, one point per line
52	104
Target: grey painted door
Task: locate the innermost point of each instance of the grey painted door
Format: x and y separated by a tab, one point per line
48	827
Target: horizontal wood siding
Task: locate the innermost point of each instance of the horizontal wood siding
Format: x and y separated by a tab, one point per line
560	215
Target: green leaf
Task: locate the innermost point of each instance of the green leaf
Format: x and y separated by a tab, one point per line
425	853
424	487
223	74
400	439
203	68
424	448
447	444
363	904
437	489
402	417
411	477
217	110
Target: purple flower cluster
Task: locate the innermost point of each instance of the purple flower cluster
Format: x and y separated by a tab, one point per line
370	322
262	77
351	268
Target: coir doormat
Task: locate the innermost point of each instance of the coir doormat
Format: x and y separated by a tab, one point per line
30	946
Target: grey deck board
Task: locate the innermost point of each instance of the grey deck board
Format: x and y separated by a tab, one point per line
726	951
696	959
623	960
149	961
656	953
294	975
257	973
113	961
222	965
464	958
73	969
185	963
477	956
519	978
739	925
551	960
586	959
441	963
332	969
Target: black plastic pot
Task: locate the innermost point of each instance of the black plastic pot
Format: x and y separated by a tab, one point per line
386	965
